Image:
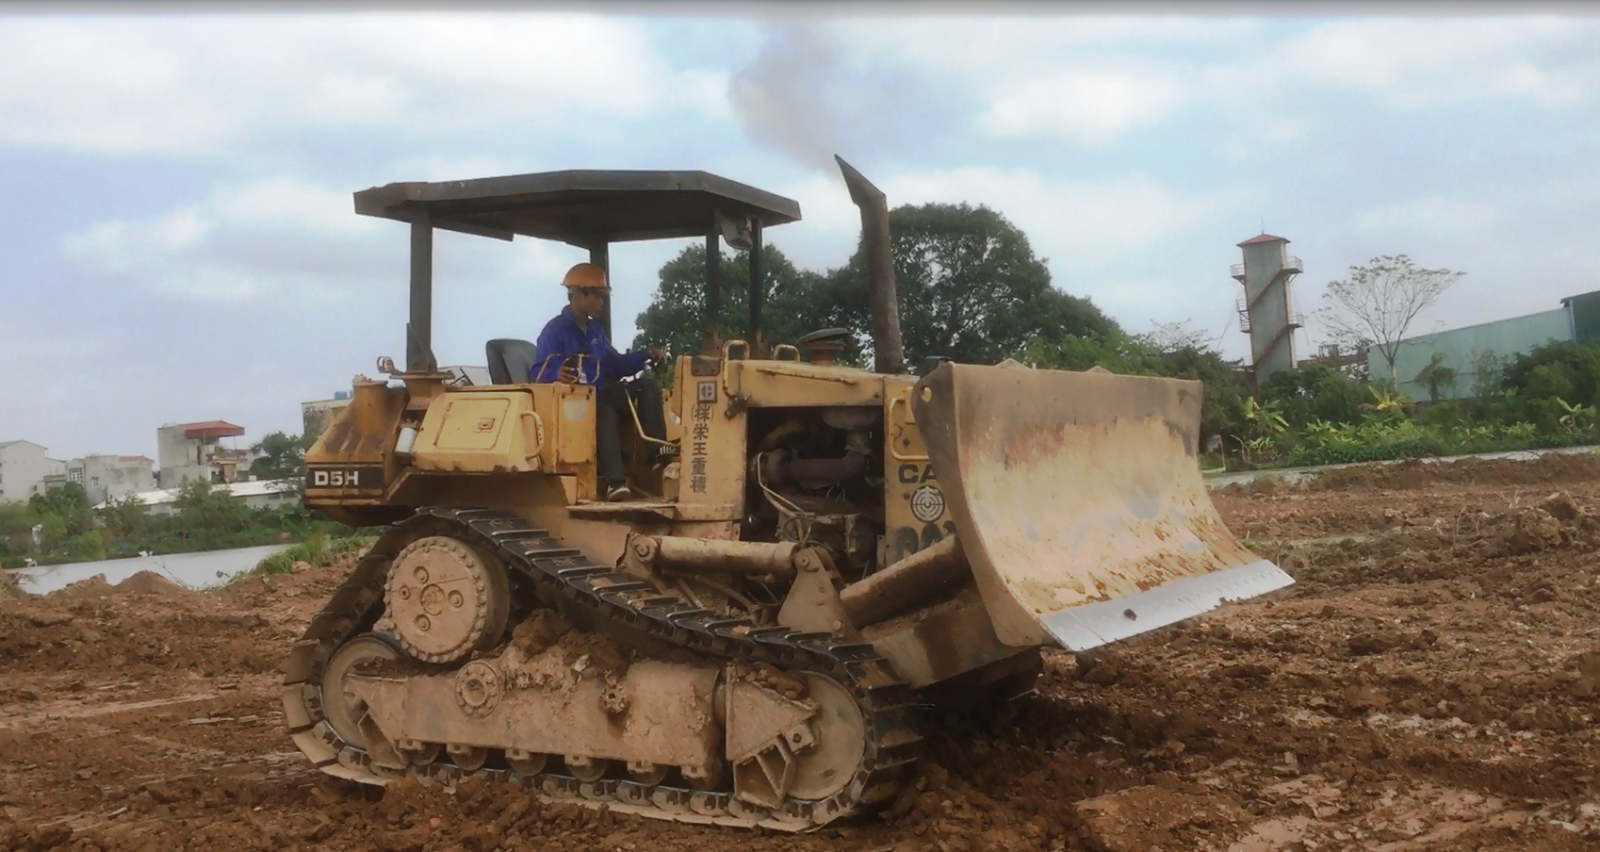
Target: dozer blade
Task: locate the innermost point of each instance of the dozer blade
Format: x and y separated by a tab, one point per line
1079	501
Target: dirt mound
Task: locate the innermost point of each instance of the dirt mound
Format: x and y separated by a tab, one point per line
94	587
151	583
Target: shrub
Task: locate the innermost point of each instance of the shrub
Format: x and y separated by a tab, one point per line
319	550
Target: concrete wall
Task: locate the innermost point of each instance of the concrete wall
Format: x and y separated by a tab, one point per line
1461	347
107	477
23	466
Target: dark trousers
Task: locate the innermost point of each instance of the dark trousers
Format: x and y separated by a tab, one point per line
612	414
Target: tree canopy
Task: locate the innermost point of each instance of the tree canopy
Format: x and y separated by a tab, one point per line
795	301
282	458
1376	305
969	287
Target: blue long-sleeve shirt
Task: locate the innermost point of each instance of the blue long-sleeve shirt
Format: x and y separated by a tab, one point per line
563	337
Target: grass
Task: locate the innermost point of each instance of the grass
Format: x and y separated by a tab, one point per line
319	550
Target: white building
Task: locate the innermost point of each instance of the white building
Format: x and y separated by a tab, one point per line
106	477
263	494
23	468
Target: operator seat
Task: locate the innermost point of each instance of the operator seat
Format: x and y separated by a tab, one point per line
510	360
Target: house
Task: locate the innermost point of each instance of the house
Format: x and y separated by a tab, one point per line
192	451
107	477
24	466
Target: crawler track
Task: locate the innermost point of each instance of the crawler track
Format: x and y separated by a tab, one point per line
891	746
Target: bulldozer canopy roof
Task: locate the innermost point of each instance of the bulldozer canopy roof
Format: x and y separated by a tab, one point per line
586	208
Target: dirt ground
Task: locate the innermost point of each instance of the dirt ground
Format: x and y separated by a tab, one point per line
1431	682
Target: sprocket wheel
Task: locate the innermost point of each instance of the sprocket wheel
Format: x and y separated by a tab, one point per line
444	599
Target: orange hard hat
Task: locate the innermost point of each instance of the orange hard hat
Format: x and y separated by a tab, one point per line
586	276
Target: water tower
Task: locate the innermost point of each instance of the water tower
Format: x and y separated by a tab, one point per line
1264	312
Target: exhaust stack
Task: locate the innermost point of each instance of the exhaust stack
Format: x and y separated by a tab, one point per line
888	354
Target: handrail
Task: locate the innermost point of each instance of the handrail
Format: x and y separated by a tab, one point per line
639	425
889	418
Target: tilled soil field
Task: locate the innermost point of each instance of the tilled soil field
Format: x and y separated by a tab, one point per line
1431	682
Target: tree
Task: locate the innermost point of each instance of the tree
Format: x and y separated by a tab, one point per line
282	459
1315	392
125	517
795	302
1436	376
1546	376
1379	301
65	508
207	514
1488	373
1178	336
969	287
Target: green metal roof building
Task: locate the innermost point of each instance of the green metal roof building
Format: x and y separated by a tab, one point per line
1463	349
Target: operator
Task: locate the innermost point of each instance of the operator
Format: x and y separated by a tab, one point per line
574	332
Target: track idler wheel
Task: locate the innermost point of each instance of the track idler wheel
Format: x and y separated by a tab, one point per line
826	766
344	711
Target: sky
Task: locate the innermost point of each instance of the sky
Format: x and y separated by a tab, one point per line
180	243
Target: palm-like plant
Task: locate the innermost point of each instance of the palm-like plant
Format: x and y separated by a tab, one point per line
1576	419
1520	431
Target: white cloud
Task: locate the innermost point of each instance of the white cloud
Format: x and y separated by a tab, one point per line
1431	215
211	86
1077	224
263	237
1436	62
1078	78
1090	80
966	45
1090	222
1081	104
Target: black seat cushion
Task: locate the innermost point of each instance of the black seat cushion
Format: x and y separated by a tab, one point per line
510	360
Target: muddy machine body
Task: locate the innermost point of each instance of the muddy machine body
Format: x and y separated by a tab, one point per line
816	550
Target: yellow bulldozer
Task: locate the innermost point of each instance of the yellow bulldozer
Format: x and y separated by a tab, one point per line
813	555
